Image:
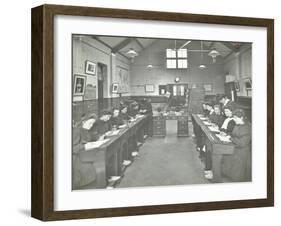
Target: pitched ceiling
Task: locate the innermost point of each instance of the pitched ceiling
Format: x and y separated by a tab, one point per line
123	44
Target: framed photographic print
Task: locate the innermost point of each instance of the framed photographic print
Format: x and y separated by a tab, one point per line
207	87
90	68
162	89
149	88
79	85
248	83
115	88
82	167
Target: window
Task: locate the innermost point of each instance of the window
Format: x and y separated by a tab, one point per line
176	58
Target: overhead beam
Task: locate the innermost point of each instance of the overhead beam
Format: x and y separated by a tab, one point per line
121	45
211	45
102	42
139	43
124	56
230	46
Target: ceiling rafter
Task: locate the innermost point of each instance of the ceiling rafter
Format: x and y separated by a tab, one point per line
102	42
122	44
139	43
230	46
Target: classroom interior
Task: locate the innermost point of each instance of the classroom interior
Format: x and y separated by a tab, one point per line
172	142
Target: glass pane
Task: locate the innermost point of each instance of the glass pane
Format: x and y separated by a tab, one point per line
182	53
182	63
174	90
171	63
170	53
182	90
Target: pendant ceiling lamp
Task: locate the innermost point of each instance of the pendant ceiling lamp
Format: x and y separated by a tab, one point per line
214	53
202	66
132	53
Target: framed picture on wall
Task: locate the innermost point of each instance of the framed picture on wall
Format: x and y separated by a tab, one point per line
63	163
208	87
149	88
162	89
90	67
79	85
248	83
115	87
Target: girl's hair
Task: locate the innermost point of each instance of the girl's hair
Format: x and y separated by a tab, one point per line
239	113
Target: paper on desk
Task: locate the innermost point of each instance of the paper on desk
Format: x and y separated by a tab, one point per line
112	133
224	138
213	129
207	123
95	144
122	126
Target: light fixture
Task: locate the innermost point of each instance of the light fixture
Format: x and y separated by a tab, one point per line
214	53
149	66
202	66
132	53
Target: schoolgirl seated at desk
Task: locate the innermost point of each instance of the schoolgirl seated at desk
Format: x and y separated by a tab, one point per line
229	123
133	109
216	116
83	173
116	119
237	166
124	113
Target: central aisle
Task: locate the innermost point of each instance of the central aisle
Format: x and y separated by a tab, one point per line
165	161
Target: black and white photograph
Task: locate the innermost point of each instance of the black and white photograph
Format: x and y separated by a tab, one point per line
182	114
79	85
90	68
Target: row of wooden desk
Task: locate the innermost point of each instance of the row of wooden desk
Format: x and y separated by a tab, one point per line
213	145
109	157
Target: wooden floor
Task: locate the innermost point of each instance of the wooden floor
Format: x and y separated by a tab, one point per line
165	161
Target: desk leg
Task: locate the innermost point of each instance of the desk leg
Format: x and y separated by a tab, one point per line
100	166
216	168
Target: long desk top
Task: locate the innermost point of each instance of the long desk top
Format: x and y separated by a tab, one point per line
127	129
212	135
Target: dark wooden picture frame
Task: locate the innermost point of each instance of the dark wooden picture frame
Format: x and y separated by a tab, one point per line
42	203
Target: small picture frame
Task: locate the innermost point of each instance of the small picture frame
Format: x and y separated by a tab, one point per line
162	89
79	85
248	83
90	68
149	88
115	87
208	87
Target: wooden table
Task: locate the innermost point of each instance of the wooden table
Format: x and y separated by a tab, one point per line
213	144
159	125
108	158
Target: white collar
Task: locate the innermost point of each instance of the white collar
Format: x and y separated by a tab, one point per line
227	100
